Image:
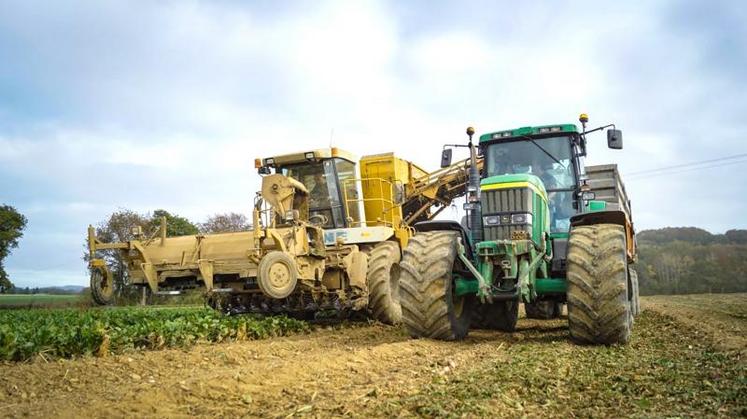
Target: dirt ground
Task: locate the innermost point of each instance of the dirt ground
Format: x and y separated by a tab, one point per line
677	364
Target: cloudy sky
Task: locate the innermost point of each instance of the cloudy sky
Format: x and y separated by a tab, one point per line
165	104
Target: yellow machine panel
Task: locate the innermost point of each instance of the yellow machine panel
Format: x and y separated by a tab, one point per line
384	179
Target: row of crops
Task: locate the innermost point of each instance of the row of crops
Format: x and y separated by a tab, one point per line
69	332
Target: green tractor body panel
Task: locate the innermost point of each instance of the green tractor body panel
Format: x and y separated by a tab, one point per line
595	206
505	199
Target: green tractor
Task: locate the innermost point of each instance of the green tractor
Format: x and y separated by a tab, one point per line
541	229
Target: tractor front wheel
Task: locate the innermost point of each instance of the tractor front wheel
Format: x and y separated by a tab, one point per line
430	307
598	299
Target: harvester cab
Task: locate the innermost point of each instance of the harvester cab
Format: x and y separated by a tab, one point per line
537	234
323	174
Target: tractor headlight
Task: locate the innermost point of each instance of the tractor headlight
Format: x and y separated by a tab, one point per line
521	218
491	220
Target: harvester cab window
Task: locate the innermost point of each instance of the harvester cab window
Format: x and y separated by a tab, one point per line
325	204
350	187
550	159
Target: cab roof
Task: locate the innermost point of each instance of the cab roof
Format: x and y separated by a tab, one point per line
310	155
528	131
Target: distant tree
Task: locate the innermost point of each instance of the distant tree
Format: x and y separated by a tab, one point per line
175	225
225	223
737	236
12	224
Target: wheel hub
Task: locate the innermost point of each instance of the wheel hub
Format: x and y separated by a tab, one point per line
279	275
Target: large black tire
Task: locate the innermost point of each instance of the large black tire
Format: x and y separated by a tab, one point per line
102	286
429	307
598	305
543	310
501	315
635	305
383	282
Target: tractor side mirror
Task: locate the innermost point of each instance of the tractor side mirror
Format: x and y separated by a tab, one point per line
615	139
446	157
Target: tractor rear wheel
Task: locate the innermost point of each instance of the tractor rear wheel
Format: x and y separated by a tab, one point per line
501	315
383	282
430	308
544	310
598	304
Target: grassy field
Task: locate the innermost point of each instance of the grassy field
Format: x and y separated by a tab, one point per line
39	300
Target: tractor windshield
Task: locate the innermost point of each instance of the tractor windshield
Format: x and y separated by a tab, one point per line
550	159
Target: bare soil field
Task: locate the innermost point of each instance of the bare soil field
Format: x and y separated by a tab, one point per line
685	359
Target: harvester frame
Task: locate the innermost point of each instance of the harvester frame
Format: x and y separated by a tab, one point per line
357	234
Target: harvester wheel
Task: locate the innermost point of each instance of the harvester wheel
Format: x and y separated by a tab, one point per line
544	310
383	282
635	306
598	305
102	286
430	309
501	315
277	275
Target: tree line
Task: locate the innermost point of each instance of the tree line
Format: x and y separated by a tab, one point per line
689	260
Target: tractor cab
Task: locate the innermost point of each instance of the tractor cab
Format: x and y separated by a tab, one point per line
329	176
548	155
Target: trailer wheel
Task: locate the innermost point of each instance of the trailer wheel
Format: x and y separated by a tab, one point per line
277	275
598	304
102	286
430	309
146	296
383	282
635	306
543	310
501	315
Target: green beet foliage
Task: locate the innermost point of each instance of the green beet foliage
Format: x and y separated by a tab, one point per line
69	332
